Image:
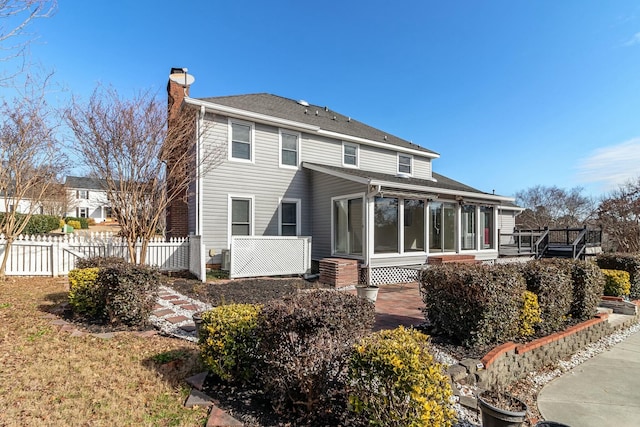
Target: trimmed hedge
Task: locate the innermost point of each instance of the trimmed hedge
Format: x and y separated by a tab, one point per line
616	283
131	291
85	296
304	343
394	381
99	262
120	294
84	222
478	305
588	284
552	284
38	224
626	262
227	340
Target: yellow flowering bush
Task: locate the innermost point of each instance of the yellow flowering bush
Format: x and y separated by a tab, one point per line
75	224
617	283
529	314
227	341
394	381
85	296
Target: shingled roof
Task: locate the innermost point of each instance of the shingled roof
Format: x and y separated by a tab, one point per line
323	117
85	183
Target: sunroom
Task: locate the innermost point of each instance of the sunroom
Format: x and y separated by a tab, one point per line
394	224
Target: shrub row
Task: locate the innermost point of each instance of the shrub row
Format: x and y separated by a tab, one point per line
625	262
84	222
300	351
116	293
485	305
38	224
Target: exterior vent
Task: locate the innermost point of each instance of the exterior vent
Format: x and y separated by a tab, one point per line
402	175
303	103
225	264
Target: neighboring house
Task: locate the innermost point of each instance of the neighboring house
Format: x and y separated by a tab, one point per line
293	168
87	198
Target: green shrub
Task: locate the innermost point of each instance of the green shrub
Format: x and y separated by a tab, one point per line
227	340
476	304
38	224
75	224
84	222
99	262
85	296
587	281
130	292
552	285
616	283
529	314
394	381
626	262
304	342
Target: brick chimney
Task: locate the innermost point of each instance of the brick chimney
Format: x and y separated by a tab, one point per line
177	214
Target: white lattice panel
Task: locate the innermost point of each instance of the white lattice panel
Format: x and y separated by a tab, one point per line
389	275
269	256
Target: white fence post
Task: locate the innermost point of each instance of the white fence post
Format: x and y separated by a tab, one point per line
55	256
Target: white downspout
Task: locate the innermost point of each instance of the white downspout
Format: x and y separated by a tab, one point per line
199	187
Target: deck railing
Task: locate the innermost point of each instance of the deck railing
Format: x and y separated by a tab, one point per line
542	242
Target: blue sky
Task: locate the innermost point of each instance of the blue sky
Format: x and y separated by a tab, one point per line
512	94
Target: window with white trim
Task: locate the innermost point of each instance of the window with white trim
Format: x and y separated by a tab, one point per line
289	149
241	217
82	194
241	141
289	217
83	212
405	164
348	226
350	154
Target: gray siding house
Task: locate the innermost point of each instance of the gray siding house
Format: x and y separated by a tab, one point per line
294	168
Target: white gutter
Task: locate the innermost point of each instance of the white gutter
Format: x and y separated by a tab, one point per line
276	121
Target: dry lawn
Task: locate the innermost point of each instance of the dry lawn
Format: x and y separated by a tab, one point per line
49	378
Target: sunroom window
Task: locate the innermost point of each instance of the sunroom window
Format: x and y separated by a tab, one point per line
442	227
386	225
414	226
468	227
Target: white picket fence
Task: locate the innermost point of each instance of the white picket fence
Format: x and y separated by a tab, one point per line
56	255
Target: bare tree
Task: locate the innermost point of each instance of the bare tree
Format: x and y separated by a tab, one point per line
30	159
619	217
15	18
145	164
553	207
57	201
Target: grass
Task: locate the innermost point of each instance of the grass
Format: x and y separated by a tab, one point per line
49	378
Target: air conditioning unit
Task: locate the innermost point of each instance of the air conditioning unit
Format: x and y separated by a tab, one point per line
226	259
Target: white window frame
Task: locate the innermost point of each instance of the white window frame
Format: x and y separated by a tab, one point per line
357	147
410	173
80	210
252	138
298	214
81	193
298	148
252	214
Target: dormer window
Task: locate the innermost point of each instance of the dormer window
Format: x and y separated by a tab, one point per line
405	164
350	155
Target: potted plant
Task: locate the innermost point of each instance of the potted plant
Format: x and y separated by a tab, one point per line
500	409
367	291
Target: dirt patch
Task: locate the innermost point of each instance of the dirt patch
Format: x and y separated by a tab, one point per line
240	291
